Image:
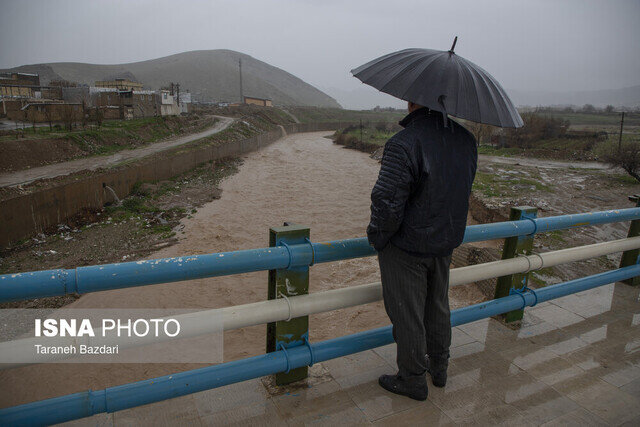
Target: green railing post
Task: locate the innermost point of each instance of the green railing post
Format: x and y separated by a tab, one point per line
288	282
514	246
631	257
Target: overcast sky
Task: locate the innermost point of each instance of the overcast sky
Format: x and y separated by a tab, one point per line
558	45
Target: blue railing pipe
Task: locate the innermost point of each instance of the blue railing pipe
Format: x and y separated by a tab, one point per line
80	405
528	297
95	278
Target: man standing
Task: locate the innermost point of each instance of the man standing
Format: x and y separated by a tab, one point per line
419	210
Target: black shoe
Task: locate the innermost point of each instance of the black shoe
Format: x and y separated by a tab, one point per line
416	389
438	371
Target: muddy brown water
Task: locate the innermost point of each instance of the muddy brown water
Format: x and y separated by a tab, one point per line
302	178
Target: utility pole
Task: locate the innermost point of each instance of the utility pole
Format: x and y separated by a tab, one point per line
240	70
178	94
620	138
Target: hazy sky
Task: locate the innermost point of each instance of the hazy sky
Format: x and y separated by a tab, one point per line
558	45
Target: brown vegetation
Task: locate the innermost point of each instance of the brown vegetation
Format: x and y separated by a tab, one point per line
536	127
625	156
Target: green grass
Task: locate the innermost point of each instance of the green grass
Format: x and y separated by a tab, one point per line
625	180
371	135
130	207
539	282
495	151
165	231
113	135
557	235
492	185
596	119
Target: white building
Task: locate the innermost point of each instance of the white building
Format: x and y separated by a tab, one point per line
168	105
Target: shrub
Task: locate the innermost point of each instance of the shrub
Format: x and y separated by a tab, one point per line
536	127
626	156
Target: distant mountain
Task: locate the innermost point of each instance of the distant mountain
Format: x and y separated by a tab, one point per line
207	74
624	97
364	98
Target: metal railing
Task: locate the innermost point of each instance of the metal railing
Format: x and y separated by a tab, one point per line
300	353
38	284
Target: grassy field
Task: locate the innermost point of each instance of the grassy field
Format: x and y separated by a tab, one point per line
507	184
42	145
369	134
587	137
598	119
155	127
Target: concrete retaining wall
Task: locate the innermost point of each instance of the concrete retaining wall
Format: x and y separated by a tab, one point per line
26	215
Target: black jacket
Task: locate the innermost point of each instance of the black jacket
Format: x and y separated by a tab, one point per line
421	198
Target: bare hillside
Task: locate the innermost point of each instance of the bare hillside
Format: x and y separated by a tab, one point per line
208	74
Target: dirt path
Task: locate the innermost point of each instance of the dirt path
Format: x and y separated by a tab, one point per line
541	163
92	163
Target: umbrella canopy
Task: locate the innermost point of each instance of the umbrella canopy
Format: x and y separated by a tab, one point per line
441	81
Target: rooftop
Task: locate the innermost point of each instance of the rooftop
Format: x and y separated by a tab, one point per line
575	360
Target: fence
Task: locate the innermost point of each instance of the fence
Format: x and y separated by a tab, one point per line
288	260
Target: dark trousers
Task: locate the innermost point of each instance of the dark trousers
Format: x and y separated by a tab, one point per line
416	298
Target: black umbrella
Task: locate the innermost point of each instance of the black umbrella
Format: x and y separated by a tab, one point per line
441	81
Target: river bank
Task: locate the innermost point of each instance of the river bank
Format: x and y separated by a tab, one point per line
302	178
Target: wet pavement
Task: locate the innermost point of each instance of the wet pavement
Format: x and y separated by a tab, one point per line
574	361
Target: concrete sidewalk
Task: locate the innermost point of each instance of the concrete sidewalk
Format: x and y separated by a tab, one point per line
575	361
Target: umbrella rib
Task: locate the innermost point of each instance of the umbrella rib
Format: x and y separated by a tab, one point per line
493	97
460	82
429	61
511	109
476	85
377	61
386	67
432	59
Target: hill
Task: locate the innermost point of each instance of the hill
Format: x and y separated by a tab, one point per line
207	74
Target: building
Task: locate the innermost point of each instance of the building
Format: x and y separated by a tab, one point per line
19	85
129	104
121	84
184	102
258	101
168	104
48	111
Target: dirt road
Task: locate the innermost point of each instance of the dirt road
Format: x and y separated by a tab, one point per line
541	163
26	176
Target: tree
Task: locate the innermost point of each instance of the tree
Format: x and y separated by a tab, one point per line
48	115
32	115
588	108
536	127
626	157
608	109
67	114
99	116
83	114
480	131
